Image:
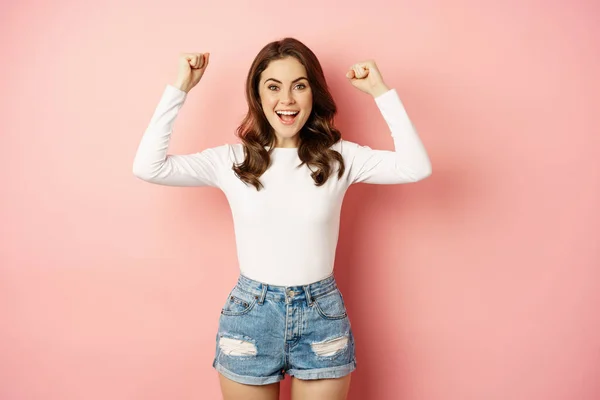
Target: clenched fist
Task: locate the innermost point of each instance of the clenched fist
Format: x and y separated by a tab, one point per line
365	76
191	69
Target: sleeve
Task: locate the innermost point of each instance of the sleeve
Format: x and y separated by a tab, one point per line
153	164
408	163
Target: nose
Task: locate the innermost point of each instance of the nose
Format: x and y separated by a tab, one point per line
287	98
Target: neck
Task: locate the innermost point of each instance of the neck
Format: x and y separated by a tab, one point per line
292	143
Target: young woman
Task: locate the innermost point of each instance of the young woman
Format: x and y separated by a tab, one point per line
285	183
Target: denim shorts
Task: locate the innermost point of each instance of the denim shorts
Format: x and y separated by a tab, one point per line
266	331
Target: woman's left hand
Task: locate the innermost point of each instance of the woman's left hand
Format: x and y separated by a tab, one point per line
366	77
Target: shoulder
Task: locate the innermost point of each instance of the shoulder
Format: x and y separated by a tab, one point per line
235	152
346	148
225	153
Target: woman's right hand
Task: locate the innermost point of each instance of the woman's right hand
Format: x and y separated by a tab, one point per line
191	69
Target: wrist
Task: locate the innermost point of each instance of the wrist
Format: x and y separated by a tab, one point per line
182	86
379	90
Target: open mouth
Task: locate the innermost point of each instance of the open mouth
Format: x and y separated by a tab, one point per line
287	117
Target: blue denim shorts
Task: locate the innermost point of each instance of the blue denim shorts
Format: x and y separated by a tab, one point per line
266	331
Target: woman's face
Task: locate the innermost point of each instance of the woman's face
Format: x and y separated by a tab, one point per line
284	86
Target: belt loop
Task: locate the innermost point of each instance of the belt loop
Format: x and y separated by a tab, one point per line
309	298
263	294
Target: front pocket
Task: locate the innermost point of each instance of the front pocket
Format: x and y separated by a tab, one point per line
238	303
331	305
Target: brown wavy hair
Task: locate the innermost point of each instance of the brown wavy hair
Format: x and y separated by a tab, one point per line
316	136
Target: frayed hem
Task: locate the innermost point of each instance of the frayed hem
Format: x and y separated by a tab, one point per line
247	380
323	373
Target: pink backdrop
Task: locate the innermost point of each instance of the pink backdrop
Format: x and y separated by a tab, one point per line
481	282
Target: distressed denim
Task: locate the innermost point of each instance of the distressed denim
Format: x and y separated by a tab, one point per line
266	331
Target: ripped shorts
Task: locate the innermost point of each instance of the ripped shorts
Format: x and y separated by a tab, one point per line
266	331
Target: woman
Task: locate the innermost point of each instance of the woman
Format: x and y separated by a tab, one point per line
285	183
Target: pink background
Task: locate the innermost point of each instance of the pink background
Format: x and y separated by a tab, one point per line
481	282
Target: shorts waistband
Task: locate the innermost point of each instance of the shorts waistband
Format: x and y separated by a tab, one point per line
287	293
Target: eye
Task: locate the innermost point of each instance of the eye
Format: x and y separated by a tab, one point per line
301	84
272	86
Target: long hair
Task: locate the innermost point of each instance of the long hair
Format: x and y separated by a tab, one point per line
316	136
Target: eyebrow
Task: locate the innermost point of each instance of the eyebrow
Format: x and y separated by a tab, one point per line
294	81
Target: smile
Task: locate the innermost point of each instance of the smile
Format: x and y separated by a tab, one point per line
287	117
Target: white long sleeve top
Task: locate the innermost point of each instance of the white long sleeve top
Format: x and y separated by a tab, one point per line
286	233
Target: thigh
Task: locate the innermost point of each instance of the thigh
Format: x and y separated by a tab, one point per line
321	389
325	350
250	340
232	390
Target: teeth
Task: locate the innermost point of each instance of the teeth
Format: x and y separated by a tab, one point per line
287	112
